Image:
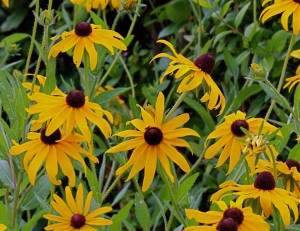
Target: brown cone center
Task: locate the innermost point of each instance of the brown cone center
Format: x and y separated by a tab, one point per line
153	135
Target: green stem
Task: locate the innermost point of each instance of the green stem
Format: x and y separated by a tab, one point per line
51	199
176	105
173	199
112	186
274	164
110	176
86	74
50	5
282	76
254	11
33	35
113	27
16	199
235	178
129	77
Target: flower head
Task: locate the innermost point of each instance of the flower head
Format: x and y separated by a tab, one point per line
2	227
292	81
74	215
192	74
72	110
55	150
129	4
83	38
227	134
154	140
6	2
234	217
287	8
264	189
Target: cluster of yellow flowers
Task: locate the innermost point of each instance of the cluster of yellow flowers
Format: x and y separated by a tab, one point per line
62	134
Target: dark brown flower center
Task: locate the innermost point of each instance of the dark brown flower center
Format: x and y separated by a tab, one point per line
153	135
293	163
264	181
77	221
83	29
297	1
236	127
227	224
235	214
75	99
52	138
205	62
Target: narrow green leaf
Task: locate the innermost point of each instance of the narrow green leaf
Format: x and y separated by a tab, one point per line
169	30
225	8
50	83
203	3
293	227
185	186
294	153
220	36
239	18
66	17
97	20
133	107
29	224
6	176
104	97
120	217
279	40
13	38
94	185
297	100
231	64
142	212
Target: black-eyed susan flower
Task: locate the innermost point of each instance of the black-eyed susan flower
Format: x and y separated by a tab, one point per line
71	110
2	227
55	150
264	189
83	38
154	140
193	74
288	171
6	2
234	217
287	8
228	131
292	81
75	214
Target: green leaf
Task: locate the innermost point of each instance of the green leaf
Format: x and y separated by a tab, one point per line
203	3
292	228
29	224
6	176
169	30
120	217
185	186
128	40
297	100
279	40
133	107
294	153
105	97
245	94
66	17
13	38
239	18
220	36
225	8
142	212
97	20
6	213
231	64
94	185
178	11
50	83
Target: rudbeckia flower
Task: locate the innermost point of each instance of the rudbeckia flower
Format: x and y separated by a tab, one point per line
192	75
287	8
235	217
264	189
73	109
55	150
154	140
292	81
83	38
228	131
74	215
2	227
6	2
288	171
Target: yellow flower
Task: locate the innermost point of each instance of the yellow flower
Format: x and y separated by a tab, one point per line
74	109
192	74
235	217
287	8
2	227
264	189
292	81
74	213
55	149
129	4
154	140
6	2
83	38
96	4
228	131
288	171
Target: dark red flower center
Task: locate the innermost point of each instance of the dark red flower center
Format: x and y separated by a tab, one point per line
236	127
293	163
264	181
234	213
75	99
77	221
297	1
83	29
153	135
52	138
227	224
205	62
